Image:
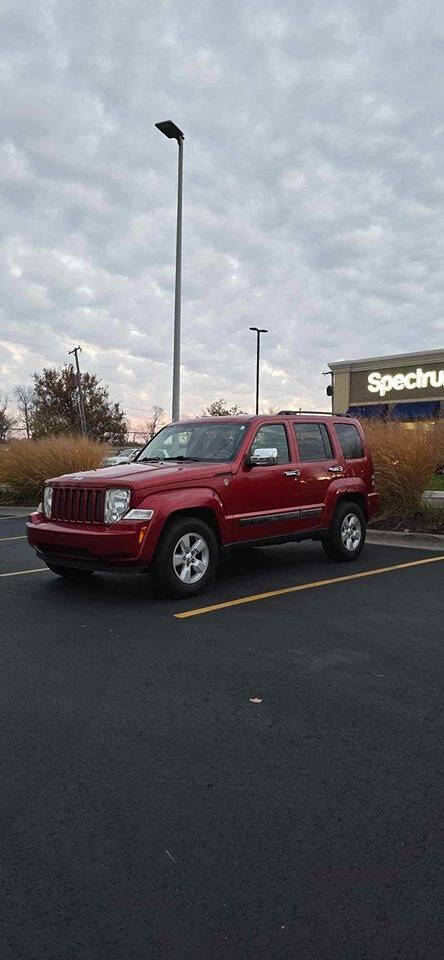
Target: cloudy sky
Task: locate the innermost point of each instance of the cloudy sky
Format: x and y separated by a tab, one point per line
313	190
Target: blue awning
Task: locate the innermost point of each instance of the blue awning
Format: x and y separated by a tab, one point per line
421	410
376	411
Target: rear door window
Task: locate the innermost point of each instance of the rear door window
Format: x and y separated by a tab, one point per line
313	442
350	440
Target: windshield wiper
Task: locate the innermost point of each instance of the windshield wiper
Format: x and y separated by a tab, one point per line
149	460
165	459
181	458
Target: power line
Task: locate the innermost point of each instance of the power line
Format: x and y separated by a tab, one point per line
37	343
25	340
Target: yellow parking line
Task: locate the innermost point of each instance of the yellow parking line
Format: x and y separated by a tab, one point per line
20	573
303	586
13	538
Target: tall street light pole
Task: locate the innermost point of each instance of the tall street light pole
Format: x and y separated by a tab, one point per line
258	330
170	130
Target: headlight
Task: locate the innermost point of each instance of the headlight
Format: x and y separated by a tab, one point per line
116	504
47	501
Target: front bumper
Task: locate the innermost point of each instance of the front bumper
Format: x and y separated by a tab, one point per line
87	546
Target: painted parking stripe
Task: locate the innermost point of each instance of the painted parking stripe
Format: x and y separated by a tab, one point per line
21	573
13	538
303	586
18	516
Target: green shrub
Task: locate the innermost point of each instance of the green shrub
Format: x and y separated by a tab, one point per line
26	464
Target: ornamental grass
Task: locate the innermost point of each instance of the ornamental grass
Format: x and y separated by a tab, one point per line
405	459
25	465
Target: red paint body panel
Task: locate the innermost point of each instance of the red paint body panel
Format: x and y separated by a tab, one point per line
244	503
119	544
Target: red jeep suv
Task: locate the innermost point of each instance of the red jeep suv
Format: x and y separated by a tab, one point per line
206	484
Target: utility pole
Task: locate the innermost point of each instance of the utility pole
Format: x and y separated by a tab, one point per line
75	351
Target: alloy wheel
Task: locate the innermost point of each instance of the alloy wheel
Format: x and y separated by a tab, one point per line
191	557
351	532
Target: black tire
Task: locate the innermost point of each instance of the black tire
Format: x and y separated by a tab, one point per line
69	573
168	558
335	543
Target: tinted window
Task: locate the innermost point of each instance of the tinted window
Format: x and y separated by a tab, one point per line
313	441
272	435
327	442
211	442
350	441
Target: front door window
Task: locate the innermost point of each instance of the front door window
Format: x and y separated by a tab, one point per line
272	435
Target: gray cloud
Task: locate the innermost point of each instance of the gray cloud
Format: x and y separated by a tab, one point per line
313	190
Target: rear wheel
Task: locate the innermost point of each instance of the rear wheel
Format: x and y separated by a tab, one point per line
186	558
69	573
346	536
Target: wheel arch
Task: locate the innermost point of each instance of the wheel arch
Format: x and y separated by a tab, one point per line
206	514
353	497
169	505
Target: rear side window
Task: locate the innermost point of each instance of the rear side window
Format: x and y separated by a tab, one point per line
313	441
350	440
272	435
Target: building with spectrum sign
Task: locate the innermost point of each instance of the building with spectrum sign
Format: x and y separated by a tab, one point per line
407	387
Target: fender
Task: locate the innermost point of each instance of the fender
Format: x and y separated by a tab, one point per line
164	503
339	488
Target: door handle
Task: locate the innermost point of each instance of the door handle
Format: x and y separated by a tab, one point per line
291	473
335	469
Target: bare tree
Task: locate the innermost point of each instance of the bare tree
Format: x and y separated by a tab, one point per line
25	401
6	422
151	426
154	423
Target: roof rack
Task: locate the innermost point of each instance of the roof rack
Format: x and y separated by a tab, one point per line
318	413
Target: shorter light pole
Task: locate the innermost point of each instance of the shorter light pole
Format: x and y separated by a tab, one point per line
75	351
258	330
330	388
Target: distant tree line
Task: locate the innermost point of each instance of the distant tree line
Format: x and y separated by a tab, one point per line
50	407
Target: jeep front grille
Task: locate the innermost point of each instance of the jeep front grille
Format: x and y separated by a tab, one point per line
78	505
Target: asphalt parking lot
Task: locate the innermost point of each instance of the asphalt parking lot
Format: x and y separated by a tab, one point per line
261	780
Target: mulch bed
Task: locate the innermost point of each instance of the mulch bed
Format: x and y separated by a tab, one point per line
426	520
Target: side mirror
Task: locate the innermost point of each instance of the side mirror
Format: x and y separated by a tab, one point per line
263	457
124	460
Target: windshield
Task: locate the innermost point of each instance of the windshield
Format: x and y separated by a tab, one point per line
204	442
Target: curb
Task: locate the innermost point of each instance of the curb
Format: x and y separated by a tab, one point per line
434	496
11	511
396	538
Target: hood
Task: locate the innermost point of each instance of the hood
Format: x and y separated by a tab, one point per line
138	475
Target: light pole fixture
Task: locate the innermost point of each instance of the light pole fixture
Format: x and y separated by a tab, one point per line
170	130
330	388
258	330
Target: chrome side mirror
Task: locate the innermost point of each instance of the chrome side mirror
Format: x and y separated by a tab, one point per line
263	457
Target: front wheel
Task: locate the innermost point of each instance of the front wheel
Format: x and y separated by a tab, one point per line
346	536
186	558
69	573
